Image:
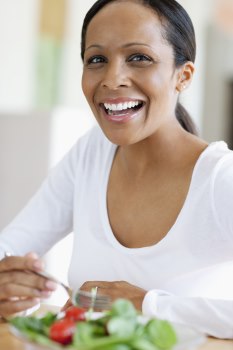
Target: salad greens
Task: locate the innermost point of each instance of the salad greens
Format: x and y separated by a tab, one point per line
36	329
120	328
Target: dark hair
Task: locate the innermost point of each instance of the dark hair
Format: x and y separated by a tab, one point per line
178	31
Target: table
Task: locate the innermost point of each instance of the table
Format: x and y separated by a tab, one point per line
10	342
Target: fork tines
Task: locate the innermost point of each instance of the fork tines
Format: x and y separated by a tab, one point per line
87	300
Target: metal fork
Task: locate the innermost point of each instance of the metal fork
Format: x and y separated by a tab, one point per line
91	300
87	300
54	279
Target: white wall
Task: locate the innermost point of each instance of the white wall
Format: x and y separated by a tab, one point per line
200	12
71	93
24	161
217	123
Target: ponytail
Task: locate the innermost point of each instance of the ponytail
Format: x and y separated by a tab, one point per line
185	120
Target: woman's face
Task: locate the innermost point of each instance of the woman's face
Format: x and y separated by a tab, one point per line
129	78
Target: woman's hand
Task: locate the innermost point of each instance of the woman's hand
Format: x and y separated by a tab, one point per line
20	289
118	289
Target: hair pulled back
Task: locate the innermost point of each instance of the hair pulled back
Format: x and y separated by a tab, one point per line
178	32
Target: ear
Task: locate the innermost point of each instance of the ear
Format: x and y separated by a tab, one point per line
185	75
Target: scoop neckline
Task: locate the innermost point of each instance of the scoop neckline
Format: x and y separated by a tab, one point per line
142	250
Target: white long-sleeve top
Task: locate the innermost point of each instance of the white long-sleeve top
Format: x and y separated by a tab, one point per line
188	274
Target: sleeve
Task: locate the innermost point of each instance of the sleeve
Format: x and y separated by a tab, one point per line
48	216
210	316
222	199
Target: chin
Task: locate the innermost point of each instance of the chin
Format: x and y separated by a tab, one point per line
122	134
119	137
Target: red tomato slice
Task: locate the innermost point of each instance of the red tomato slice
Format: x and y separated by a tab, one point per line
62	331
75	313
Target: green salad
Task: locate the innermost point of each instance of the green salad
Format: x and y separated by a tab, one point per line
120	328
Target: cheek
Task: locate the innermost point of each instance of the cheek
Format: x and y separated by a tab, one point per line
149	81
87	86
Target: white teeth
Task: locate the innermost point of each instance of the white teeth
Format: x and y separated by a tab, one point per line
121	106
125	105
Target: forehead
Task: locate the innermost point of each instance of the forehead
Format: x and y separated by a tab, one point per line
125	21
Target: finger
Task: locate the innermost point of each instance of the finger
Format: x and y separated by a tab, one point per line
37	264
88	285
114	290
11	307
12	290
27	279
20	263
32	255
103	288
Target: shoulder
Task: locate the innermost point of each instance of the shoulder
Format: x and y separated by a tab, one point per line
90	143
221	181
214	174
93	148
222	173
214	161
216	167
94	138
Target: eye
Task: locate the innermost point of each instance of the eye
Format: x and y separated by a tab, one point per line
140	59
95	61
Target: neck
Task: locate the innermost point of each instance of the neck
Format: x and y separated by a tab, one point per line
159	152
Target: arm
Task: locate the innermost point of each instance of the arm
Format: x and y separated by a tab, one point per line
209	316
212	316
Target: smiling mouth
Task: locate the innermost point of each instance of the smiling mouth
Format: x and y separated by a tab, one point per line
123	108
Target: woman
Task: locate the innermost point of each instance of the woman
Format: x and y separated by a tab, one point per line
146	198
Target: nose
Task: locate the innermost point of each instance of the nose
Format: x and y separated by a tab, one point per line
115	76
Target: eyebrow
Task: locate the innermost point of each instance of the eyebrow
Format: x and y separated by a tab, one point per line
124	46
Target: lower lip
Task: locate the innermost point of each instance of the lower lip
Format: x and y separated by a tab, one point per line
122	118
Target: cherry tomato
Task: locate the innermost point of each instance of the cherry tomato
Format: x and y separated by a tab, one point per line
62	331
75	313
